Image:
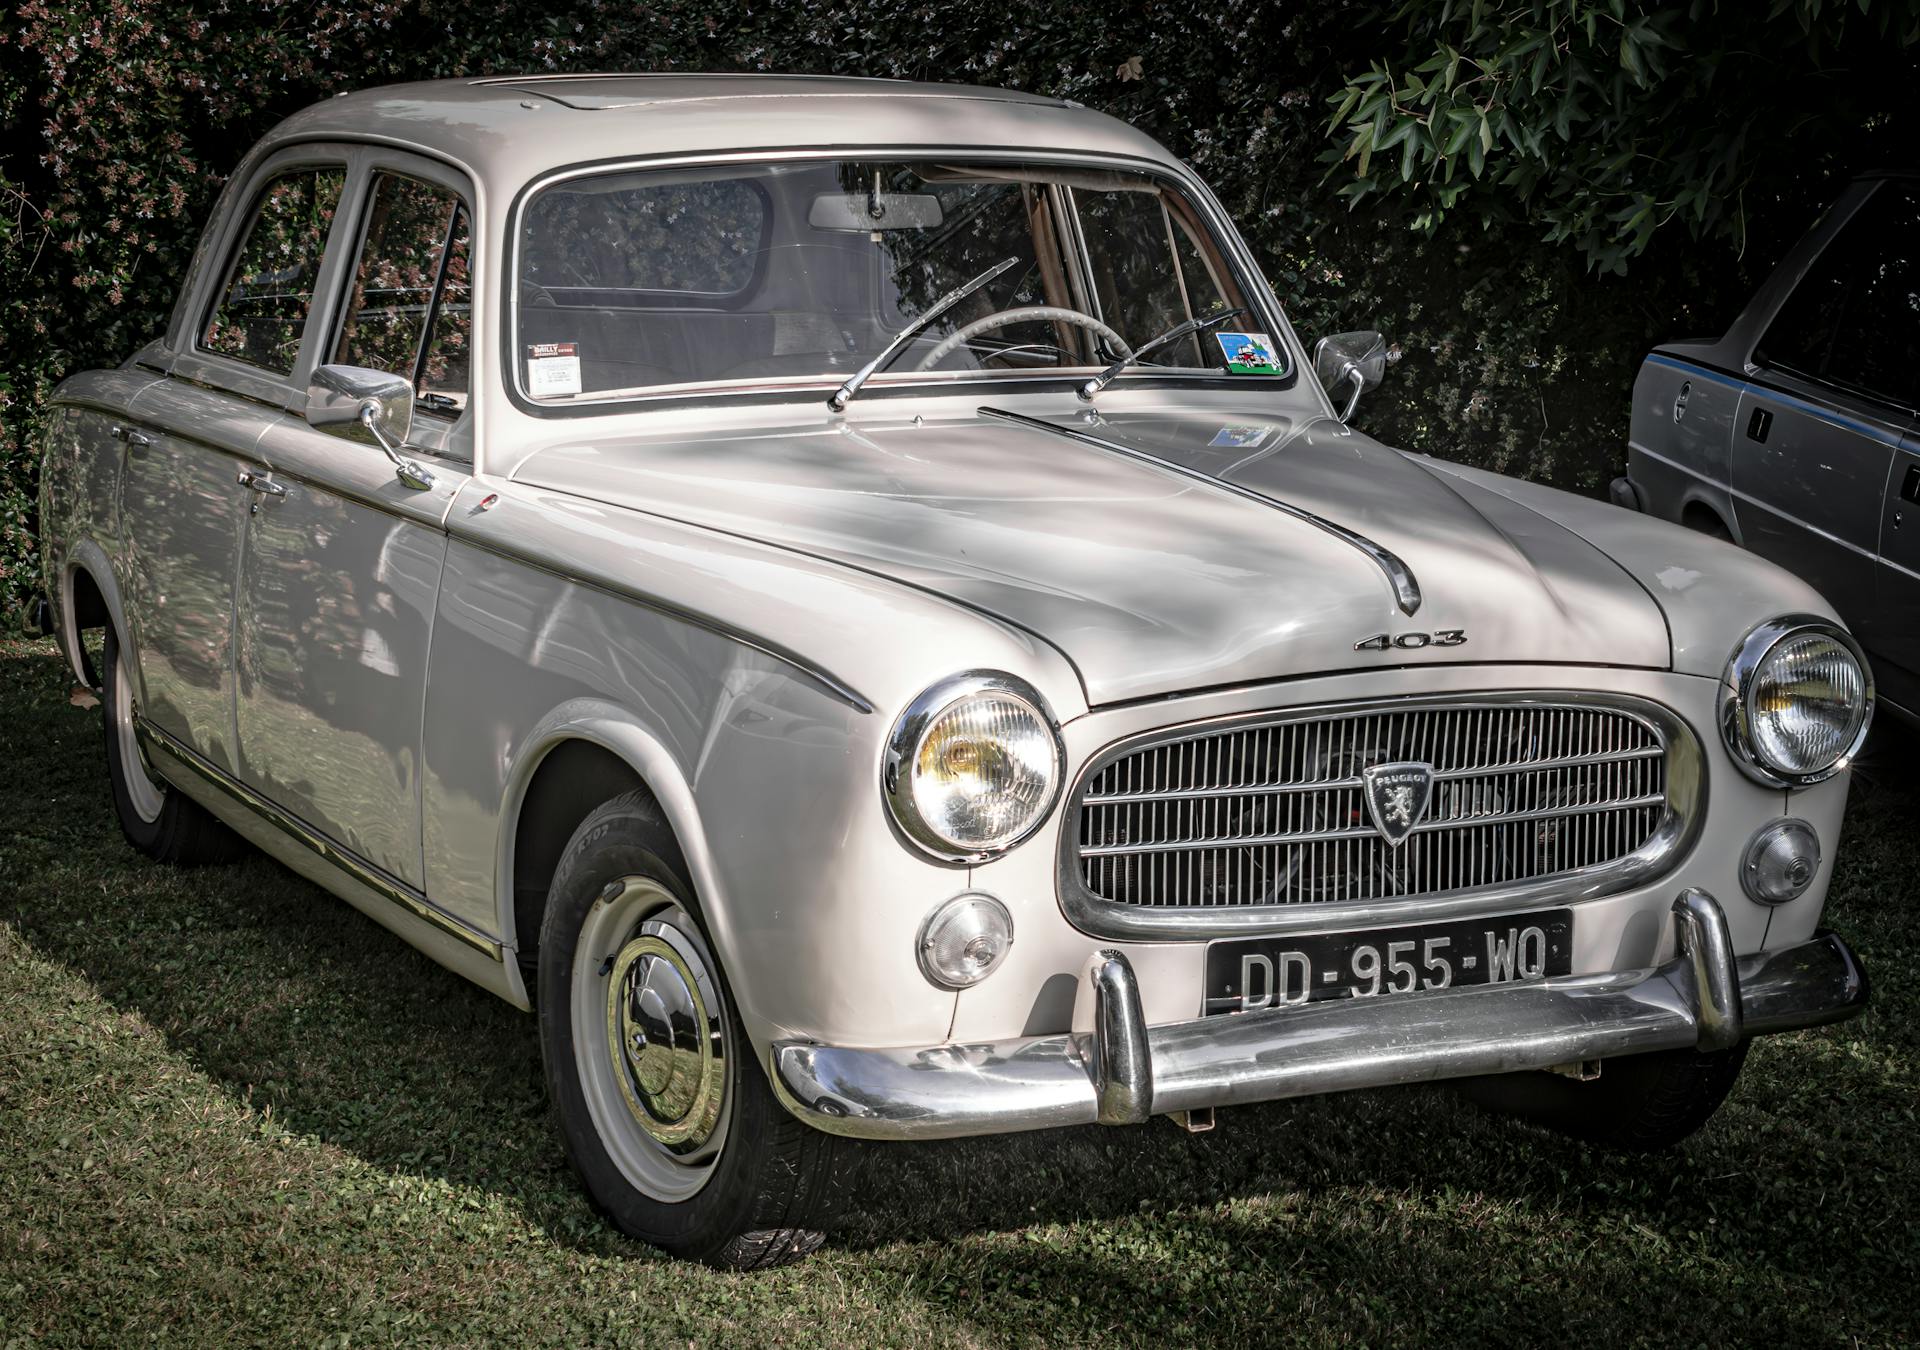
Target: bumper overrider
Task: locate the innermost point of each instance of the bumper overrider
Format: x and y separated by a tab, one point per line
1124	1072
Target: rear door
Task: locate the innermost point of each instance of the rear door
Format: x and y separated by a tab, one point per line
342	562
1830	400
189	438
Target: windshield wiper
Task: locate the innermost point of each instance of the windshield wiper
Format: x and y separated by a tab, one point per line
1107	376
844	394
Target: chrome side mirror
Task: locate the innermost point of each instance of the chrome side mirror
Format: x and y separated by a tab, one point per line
1359	359
370	406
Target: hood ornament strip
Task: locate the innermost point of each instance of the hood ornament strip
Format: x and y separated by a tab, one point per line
1406	589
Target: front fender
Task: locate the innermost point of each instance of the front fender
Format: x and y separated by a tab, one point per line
1712	592
617	731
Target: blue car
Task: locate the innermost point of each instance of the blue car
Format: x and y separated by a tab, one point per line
1797	433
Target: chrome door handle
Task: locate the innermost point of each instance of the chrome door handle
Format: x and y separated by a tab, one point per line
260	482
138	440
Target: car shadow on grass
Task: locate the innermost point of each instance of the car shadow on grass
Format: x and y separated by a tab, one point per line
313	1014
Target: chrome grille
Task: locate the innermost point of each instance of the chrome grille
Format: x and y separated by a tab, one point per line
1268	813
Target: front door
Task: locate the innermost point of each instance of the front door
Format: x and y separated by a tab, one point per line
1830	401
1895	636
342	560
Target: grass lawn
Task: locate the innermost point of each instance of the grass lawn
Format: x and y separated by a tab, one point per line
233	1110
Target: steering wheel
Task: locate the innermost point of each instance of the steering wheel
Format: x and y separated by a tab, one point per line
1000	319
1060	354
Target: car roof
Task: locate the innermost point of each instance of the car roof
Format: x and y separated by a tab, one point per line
507	129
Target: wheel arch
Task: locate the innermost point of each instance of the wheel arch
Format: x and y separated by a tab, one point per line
89	597
590	748
1698	511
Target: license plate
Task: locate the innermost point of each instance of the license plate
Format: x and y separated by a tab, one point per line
1275	972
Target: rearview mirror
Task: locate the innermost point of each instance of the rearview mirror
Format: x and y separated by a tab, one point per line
865	211
359	404
1357	359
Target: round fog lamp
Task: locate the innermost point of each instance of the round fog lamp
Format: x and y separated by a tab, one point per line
1780	862
964	940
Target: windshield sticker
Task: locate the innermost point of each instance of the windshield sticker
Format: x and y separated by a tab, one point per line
1240	437
1249	353
553	368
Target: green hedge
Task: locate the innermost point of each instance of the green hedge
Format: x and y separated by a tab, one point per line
122	119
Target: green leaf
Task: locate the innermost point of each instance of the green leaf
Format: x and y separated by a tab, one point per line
1398	132
1362	146
1630	57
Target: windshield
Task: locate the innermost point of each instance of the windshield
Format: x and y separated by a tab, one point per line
803	271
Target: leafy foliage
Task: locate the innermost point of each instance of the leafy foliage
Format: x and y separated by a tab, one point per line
122	119
1606	120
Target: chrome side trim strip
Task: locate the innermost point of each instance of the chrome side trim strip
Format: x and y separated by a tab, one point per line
945	1091
1406	588
827	681
376	879
1680	824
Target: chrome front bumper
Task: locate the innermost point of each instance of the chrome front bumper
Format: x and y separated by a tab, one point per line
1124	1071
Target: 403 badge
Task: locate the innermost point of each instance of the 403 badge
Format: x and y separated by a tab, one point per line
1439	637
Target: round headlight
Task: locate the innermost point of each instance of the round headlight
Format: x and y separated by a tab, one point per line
973	766
1796	702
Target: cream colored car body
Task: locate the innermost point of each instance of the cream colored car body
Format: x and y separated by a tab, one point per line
731	598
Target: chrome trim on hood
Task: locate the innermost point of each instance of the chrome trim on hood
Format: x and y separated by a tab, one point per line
1406	588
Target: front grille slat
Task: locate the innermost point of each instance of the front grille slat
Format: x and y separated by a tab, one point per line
1186	842
1274	814
1603	758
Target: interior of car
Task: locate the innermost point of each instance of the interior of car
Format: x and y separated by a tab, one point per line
809	268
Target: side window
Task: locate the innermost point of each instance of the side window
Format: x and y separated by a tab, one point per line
1878	344
269	288
410	310
1854	319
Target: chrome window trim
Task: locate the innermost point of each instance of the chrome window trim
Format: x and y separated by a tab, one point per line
1252	281
904	740
241	376
1736	691
1679	827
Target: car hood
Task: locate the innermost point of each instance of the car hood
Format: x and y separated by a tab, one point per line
1161	553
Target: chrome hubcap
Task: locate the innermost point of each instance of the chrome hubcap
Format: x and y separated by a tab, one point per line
650	1033
667	1046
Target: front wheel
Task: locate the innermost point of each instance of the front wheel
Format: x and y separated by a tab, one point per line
667	1119
1638	1104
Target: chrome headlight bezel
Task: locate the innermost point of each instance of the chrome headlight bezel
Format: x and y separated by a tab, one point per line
903	750
1737	687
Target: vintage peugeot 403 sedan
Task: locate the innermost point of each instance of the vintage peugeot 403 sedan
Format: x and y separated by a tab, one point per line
850	599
